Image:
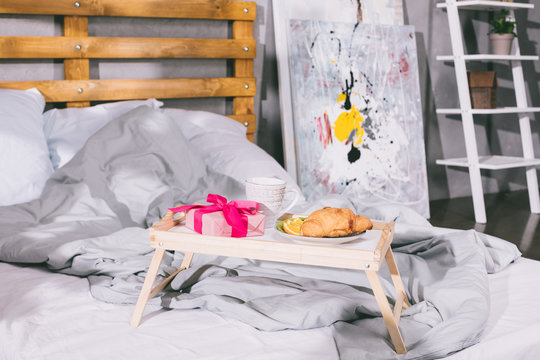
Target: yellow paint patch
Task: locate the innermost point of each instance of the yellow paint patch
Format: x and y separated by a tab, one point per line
341	97
347	122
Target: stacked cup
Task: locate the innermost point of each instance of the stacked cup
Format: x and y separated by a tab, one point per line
269	193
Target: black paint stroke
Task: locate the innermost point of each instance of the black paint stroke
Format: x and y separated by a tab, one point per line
353	155
314	41
347	92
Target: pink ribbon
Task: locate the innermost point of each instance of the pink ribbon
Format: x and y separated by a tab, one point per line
235	213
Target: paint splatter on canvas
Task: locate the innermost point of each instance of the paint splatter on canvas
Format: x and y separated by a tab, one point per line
357	113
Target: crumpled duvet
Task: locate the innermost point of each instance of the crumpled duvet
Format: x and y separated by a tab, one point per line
92	220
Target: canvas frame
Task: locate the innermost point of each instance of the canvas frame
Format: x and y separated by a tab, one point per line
294	144
284	11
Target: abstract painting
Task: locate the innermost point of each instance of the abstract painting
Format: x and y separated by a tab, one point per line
357	114
388	12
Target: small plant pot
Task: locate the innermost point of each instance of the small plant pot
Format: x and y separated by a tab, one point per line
501	44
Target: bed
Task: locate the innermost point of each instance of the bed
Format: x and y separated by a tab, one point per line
82	182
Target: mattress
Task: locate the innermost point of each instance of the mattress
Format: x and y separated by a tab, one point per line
46	315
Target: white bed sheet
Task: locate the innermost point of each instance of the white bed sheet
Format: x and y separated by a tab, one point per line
46	315
513	327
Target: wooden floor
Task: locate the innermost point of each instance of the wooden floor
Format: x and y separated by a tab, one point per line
508	217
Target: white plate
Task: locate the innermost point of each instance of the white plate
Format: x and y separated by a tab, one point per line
319	241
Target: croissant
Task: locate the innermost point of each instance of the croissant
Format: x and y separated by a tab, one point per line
334	222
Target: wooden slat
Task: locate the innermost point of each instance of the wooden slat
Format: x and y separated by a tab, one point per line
120	89
245	106
74	47
243	68
192	9
76	69
248	119
75	26
252	248
243	30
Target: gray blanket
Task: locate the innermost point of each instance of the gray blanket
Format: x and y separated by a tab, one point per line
92	217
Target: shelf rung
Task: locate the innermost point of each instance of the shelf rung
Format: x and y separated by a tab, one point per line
488	5
492	162
504	110
489	57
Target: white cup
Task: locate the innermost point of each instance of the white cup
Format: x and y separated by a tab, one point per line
269	193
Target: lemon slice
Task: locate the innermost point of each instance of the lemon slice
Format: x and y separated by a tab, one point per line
292	226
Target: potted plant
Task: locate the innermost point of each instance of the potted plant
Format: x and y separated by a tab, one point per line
502	33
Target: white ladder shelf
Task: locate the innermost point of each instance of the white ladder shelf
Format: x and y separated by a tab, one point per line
473	161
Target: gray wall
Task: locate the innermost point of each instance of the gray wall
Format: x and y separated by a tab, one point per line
443	135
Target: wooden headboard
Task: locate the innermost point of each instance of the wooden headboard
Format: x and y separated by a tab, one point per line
75	48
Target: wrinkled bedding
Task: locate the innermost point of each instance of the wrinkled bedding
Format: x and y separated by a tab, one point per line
92	217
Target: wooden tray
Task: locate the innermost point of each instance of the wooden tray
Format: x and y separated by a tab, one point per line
170	234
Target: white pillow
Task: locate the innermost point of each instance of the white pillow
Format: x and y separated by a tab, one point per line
67	130
196	123
25	164
223	145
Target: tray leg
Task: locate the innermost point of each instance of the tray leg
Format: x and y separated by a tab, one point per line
147	291
144	296
186	262
396	278
386	311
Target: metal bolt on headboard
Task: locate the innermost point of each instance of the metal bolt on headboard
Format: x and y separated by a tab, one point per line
77	4
246	10
246	124
80	90
246	86
78	47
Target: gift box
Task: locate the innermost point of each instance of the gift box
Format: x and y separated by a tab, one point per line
215	224
232	219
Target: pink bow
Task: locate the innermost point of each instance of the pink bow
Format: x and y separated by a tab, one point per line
235	213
